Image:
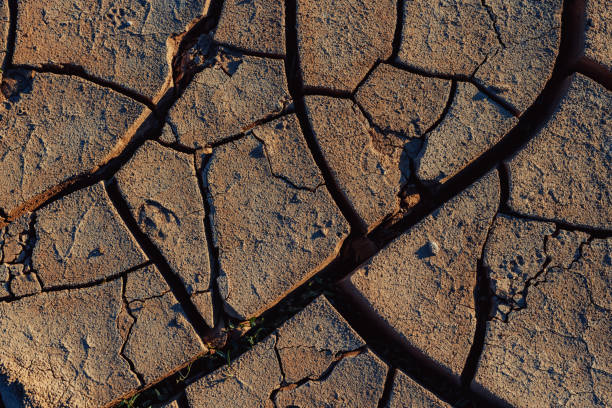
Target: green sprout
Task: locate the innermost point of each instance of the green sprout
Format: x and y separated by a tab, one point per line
182	377
129	403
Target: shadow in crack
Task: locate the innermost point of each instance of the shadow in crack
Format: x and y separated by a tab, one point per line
12	394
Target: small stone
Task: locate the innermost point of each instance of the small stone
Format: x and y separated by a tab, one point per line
339	41
221	103
411	200
433	248
15	269
13	251
562	174
473	124
23	285
257	25
426	298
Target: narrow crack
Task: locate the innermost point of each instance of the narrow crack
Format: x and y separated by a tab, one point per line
287	110
366	77
376	128
280	362
155	255
282	177
540	276
493	19
594	231
201	164
247	52
311	90
322	377
296	90
449	102
176	147
387	388
483	300
489	92
145	299
128	334
91	284
80	72
596	71
461	78
397	35
11	37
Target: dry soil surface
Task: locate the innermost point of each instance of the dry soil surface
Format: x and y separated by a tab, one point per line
335	203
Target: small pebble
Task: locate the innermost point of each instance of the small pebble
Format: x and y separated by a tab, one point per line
433	248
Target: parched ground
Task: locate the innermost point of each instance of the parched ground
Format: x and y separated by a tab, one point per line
334	203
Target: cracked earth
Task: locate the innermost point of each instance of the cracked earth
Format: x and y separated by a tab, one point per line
340	203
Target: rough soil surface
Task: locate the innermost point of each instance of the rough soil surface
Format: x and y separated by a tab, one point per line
598	32
422	284
126	42
264	30
555	350
228	96
473	124
271	233
563	173
305	204
338	41
314	359
53	127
